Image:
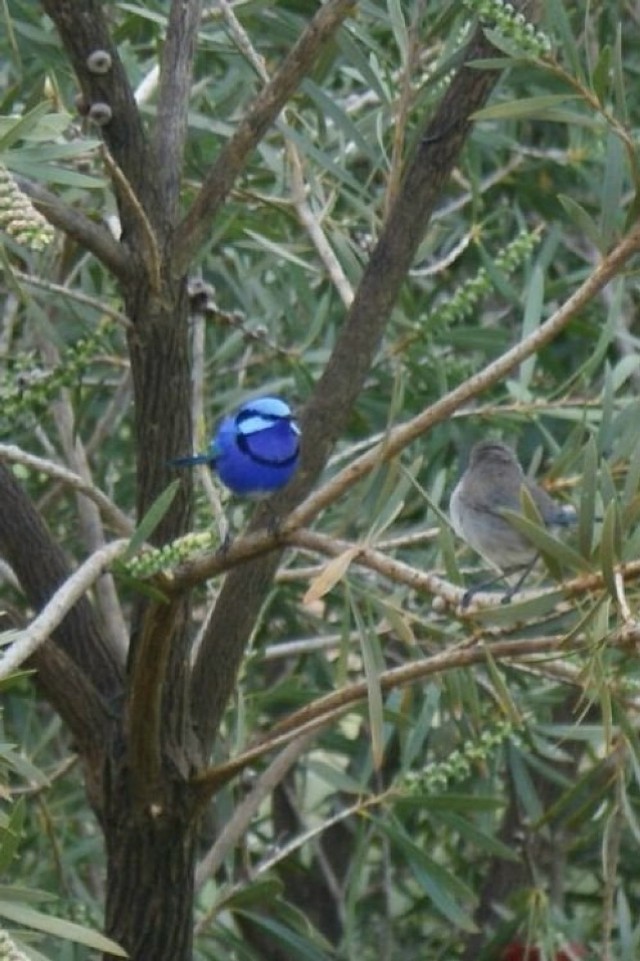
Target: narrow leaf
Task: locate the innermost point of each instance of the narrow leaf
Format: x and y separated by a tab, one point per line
441	886
531	322
608	554
373	666
553	550
588	498
22	126
584	221
611	207
60	928
330	575
151	519
524	107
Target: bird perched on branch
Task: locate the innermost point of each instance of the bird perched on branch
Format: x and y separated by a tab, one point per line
492	484
255	450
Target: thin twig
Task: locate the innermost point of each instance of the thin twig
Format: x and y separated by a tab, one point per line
243	814
198	316
311	224
73	294
116	518
150	253
195	228
26	641
176	71
298	192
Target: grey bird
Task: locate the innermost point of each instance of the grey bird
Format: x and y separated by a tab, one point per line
491	484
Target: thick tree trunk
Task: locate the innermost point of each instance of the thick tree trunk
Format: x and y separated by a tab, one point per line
150	867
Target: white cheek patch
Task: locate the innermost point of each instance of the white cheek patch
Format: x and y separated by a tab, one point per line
253	425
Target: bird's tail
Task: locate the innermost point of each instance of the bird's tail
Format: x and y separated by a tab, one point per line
193	459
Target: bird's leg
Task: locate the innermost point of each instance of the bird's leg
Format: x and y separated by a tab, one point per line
508	595
470	594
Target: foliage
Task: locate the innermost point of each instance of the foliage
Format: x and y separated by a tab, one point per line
494	746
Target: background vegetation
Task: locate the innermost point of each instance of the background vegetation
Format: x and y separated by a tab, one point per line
392	776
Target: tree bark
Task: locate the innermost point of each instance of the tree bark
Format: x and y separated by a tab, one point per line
150	861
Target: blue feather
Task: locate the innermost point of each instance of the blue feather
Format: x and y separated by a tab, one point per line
255	450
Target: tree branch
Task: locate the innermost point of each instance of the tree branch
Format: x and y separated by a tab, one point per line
329	408
41	567
318	713
83	29
25	642
242	816
111	513
261	541
93	237
173	100
196	226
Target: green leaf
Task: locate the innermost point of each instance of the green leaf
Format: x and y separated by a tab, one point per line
419	730
554	551
524	784
480	839
373	667
13	130
601	73
501	690
611	206
584	221
341	118
525	107
11	834
151	519
399	27
59	928
608	547
588	498
440	885
532	318
337	779
296	945
558	18
258	892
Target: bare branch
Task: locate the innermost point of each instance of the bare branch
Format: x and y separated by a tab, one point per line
235	828
196	226
25	537
119	521
176	70
26	641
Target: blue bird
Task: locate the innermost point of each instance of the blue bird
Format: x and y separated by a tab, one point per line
490	485
255	450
